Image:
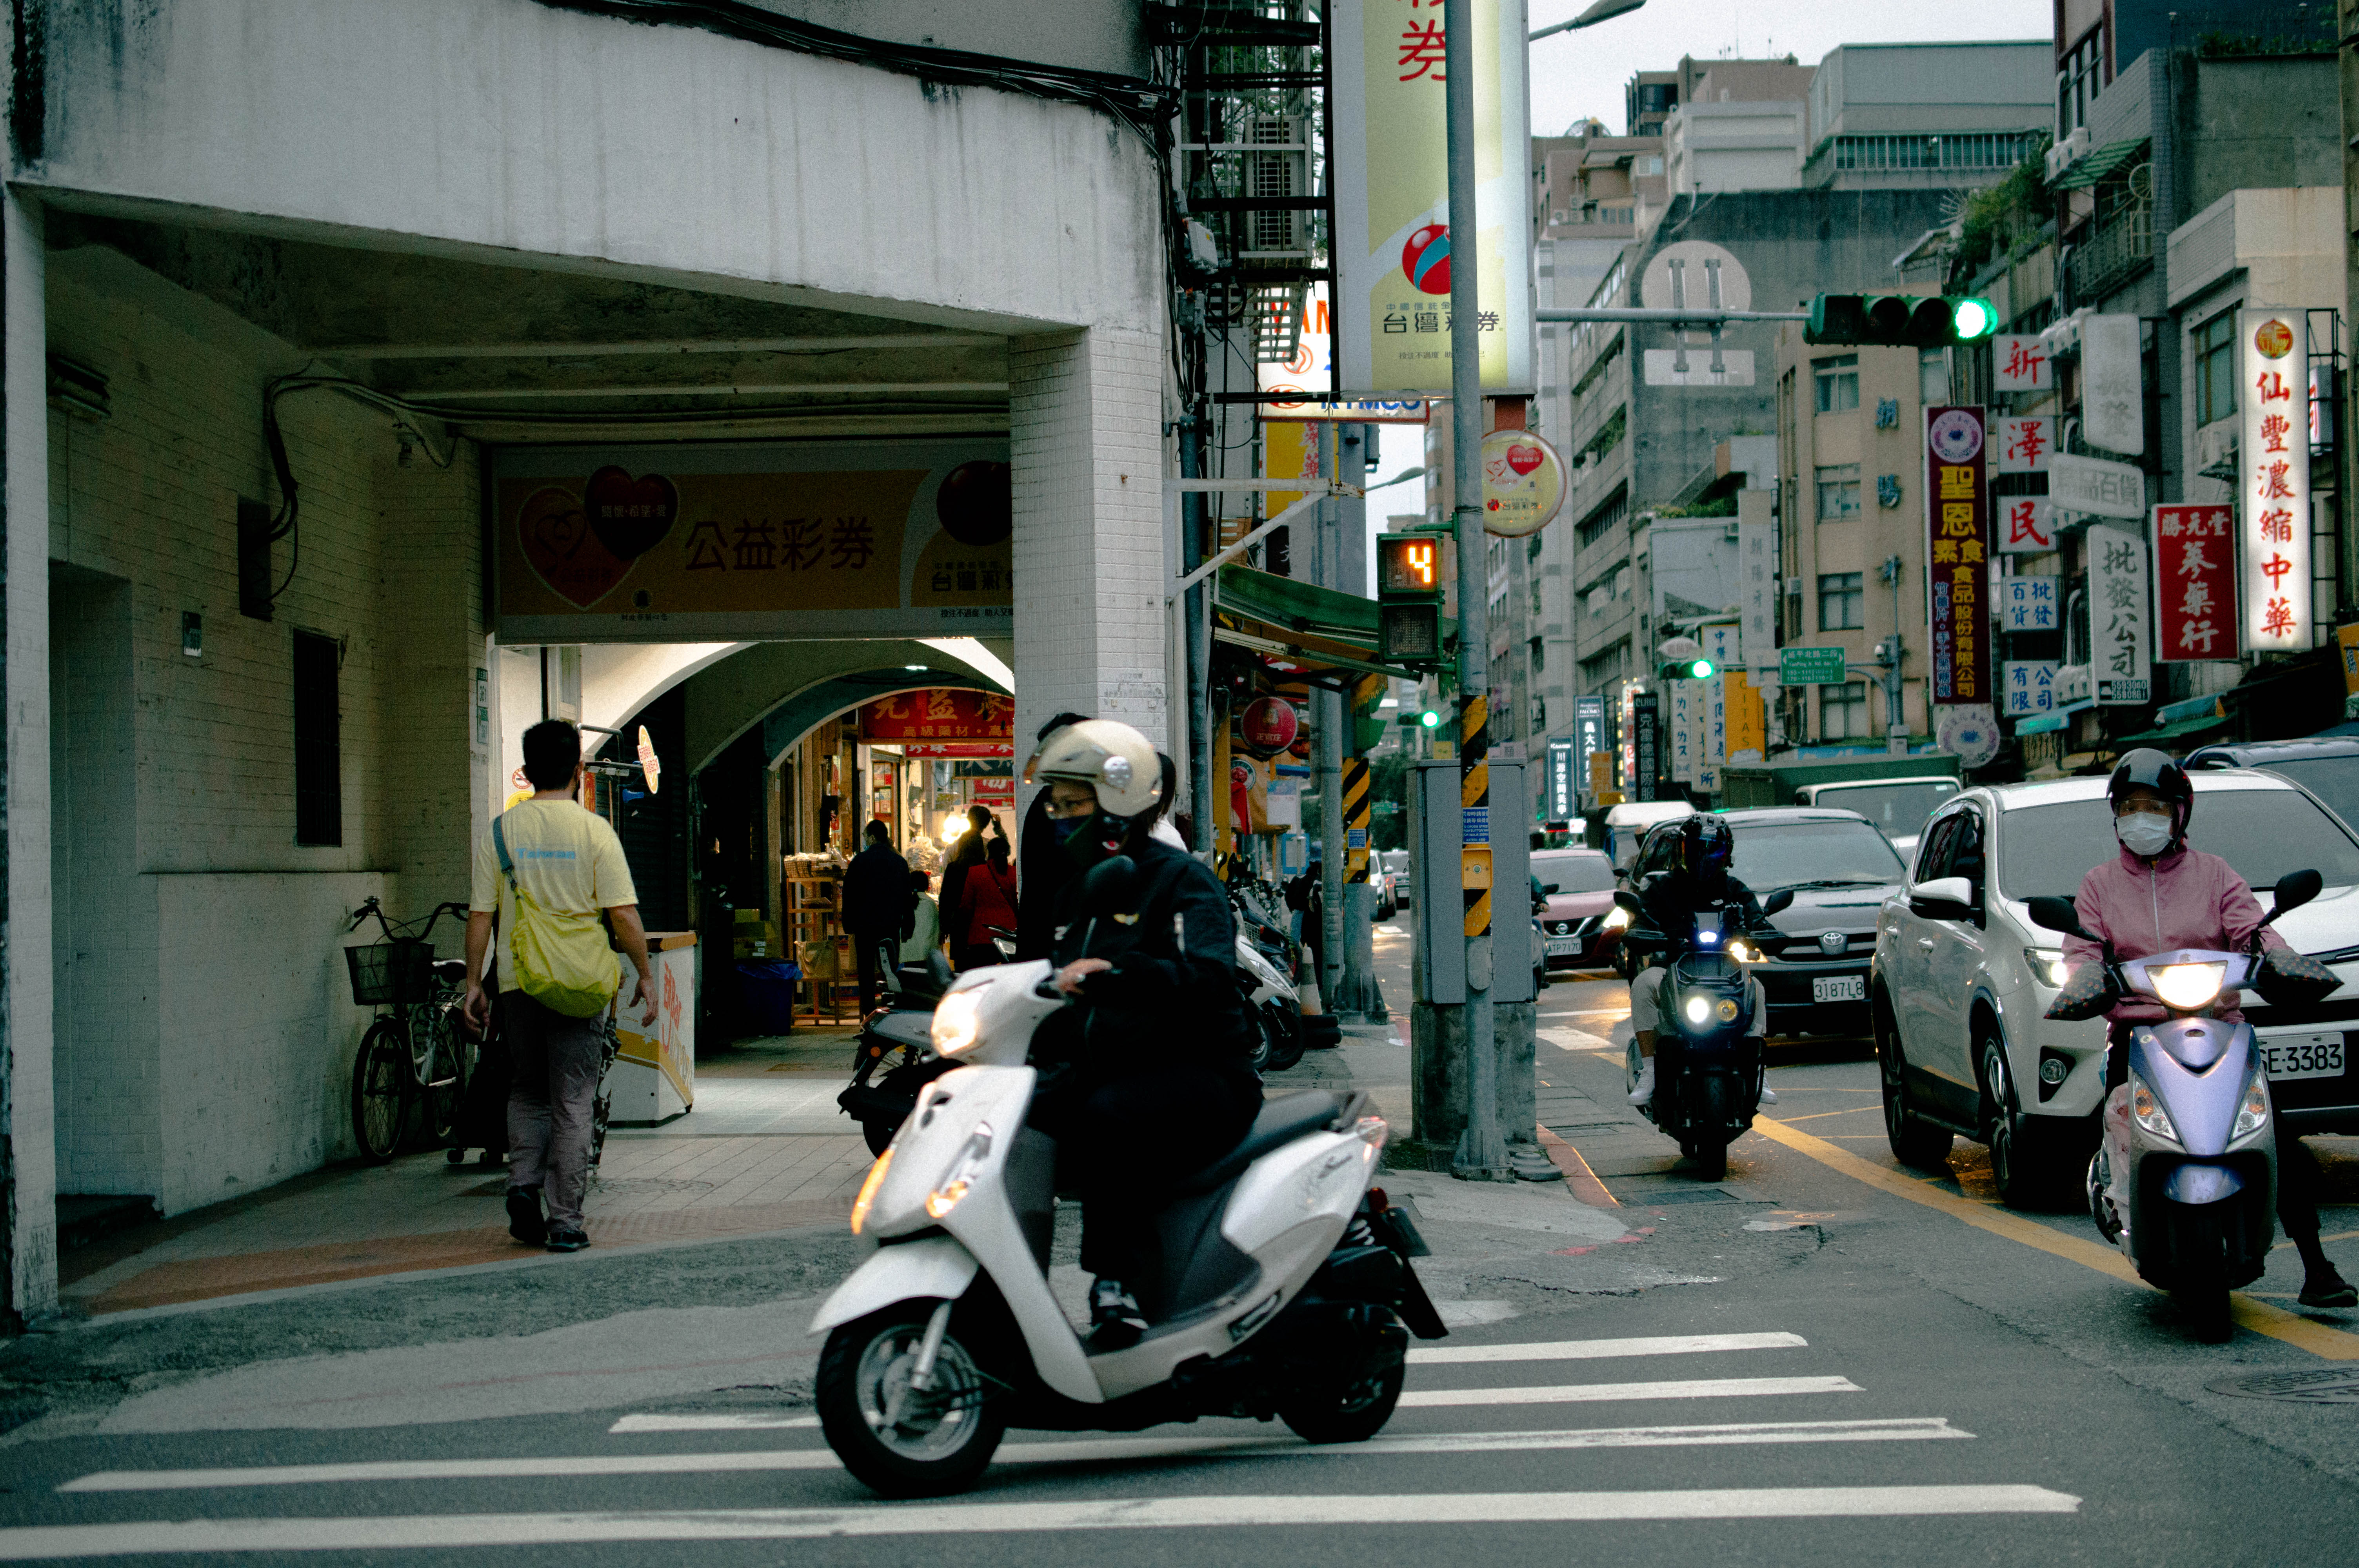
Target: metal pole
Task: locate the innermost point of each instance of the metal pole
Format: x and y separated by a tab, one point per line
1192	548
1356	996
1481	1153
1330	717
1895	714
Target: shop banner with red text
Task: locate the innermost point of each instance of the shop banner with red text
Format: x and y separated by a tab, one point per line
2194	583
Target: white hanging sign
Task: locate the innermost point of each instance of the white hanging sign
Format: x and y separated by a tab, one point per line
2120	643
2019	364
2276	479
2025	525
2112	396
2028	686
2027	604
2025	442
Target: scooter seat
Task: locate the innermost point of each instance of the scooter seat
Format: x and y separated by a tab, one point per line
1281	1122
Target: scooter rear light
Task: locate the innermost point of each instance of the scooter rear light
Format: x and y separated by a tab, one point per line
1372	1130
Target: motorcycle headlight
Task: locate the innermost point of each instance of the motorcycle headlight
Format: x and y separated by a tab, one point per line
961	1173
859	1204
2048	967
1616	919
1698	1009
2253	1112
955	1022
2149	1112
1744	952
2188	986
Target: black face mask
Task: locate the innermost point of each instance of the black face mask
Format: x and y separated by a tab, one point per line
1089	840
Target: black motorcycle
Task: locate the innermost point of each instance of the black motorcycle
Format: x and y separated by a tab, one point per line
896	1056
1708	1063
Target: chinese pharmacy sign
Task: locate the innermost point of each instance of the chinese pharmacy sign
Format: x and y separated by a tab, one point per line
1957	558
1393	252
2194	583
729	543
2274	460
2117	639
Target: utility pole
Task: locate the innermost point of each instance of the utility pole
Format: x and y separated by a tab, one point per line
1355	996
1482	1153
1329	715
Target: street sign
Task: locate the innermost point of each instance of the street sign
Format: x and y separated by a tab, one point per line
1810	666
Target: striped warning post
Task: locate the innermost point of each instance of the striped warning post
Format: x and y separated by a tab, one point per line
1474	796
1356	813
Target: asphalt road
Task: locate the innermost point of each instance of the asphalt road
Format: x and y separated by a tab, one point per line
1805	1363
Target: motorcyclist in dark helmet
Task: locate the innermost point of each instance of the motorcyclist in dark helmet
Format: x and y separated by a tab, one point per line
1698	879
2159	894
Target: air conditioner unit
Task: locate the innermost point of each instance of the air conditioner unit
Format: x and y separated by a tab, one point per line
2067	152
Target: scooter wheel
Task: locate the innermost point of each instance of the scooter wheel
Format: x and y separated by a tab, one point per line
878	1134
1358	1412
1711	1160
931	1445
1284	1032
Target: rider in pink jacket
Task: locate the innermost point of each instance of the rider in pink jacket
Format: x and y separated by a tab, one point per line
2158	895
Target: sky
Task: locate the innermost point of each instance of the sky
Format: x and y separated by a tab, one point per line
1578	74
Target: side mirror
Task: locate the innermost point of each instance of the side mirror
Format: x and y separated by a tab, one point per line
2051	912
1782	898
2294	890
1550	887
1109	887
1946	898
1626	900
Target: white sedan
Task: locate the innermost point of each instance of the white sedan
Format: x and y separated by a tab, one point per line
1961	977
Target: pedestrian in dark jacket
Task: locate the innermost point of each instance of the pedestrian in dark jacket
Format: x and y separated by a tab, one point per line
987	897
876	898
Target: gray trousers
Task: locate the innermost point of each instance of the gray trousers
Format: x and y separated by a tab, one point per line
555	1060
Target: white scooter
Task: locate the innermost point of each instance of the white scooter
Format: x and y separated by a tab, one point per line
1277	1009
1284	1287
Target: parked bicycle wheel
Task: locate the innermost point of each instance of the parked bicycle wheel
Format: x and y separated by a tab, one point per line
383	1077
449	1058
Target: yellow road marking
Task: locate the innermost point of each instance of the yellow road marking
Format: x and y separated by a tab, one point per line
2332	1343
1815	1114
2338	1236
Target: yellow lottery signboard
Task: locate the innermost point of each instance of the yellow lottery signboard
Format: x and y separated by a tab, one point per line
748	542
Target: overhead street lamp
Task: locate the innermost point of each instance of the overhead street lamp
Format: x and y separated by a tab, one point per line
1604	11
1401	478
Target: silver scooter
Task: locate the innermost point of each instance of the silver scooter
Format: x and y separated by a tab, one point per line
1280	1284
2202	1143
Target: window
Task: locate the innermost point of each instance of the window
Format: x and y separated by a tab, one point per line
1963	150
1645	165
2215	368
1839	594
2077	80
1838	492
1842	709
1607	517
318	773
1933	376
1539	656
1838	380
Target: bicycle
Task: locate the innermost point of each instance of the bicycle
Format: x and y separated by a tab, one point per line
417	1051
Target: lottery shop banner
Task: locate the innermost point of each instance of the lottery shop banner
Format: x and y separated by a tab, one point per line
2194	583
980	720
1957	554
731	543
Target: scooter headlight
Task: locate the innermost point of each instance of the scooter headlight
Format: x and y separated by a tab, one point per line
2188	986
2147	1108
956	1023
961	1173
1744	952
2253	1112
1698	1009
1616	919
860	1205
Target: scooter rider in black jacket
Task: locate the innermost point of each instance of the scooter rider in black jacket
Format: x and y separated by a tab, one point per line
1698	880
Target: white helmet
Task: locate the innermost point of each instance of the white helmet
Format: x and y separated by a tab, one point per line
1109	757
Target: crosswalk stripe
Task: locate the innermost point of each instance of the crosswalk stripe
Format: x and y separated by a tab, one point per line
737	1422
431	1532
1908	1429
1586	1393
1603	1349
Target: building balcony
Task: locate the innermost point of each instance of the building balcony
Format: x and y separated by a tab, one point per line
2111	255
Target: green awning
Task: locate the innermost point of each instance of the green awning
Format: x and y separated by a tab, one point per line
1318	625
2172	730
2098	165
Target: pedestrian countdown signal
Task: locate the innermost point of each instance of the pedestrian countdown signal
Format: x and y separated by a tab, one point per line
1408	566
1410	572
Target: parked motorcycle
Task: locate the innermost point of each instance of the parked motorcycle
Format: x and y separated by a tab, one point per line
898	1033
1277	1008
1708	1062
1283	1286
2203	1151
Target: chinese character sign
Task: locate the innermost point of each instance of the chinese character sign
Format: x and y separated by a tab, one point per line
2019	364
2028	687
939	713
1393	252
2027	604
2194	583
1957	561
2025	525
1757	581
2025	442
1685	731
2275	459
2117	618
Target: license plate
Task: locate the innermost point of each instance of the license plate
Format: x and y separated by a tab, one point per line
2303	1056
1839	987
1563	946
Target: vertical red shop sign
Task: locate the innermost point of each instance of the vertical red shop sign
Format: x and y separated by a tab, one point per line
1957	554
2194	583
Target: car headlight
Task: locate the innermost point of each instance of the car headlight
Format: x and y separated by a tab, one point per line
2149	1112
2048	967
1744	952
961	1173
1698	1009
859	1204
2188	986
956	1023
1616	919
2253	1113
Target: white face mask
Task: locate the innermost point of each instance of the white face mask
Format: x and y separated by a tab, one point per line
2143	832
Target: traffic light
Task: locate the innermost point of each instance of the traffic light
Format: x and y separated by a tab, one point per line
1410	575
1900	320
1687	669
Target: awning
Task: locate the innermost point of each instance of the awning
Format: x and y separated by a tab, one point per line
1284	615
2172	730
2098	165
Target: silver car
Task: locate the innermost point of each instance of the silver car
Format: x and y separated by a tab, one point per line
1961	977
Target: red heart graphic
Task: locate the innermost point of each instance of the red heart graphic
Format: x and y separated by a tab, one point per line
629	515
1523	460
563	551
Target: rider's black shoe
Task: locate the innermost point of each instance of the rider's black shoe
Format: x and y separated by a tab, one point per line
1115	1321
2328	1288
525	1221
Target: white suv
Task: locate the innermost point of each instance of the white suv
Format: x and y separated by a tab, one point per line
1961	977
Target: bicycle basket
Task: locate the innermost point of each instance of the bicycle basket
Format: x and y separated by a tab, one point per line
390	972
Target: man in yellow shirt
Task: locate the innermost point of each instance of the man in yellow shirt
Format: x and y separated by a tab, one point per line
567	860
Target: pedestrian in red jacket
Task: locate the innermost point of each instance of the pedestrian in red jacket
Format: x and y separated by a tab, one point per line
987	898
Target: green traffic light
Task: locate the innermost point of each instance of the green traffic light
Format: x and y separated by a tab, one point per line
1701	669
1430	719
1972	319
